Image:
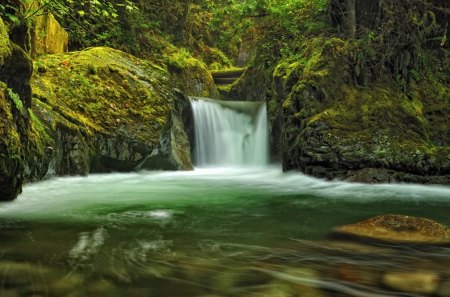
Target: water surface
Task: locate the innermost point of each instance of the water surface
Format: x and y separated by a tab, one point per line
209	232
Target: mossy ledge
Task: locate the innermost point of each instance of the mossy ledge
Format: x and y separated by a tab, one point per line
101	110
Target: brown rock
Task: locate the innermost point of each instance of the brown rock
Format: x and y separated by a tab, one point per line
396	228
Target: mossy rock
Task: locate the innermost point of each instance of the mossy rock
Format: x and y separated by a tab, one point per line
15	71
332	128
397	229
5	47
190	74
104	110
11	150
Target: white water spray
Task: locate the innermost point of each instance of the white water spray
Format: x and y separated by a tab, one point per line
230	133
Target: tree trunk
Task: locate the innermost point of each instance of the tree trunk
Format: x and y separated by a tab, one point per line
351	17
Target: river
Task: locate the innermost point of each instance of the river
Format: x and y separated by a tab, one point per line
220	230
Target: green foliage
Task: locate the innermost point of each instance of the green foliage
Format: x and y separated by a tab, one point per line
16	99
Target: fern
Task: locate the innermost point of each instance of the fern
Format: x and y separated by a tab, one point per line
17	102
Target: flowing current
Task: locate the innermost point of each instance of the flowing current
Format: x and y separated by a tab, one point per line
220	230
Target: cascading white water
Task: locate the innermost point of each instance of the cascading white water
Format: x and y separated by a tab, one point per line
230	133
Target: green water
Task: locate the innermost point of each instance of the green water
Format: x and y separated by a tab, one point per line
210	232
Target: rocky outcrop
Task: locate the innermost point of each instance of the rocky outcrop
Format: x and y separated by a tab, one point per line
15	72
47	36
397	229
332	128
102	110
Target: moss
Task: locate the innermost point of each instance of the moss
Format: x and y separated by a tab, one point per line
334	124
11	148
101	90
5	48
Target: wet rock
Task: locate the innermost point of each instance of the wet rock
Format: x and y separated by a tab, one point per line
9	293
102	288
66	285
396	228
357	274
444	289
425	282
26	279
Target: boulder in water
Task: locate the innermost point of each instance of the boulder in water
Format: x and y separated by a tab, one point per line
396	228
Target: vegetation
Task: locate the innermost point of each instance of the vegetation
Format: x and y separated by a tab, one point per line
336	63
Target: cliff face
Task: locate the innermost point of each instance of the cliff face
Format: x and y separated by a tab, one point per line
15	99
102	110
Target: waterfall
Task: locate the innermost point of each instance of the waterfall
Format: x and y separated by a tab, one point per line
230	133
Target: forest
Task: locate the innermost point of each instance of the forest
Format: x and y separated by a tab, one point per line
213	148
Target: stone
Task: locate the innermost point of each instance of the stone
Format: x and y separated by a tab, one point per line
15	99
47	36
124	116
66	284
396	228
24	275
420	281
444	289
102	288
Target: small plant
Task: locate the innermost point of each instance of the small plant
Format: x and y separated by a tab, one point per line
17	102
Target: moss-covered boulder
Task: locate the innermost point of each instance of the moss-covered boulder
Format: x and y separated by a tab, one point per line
336	128
15	72
102	110
190	75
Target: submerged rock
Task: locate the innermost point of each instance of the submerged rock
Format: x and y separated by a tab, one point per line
396	228
425	282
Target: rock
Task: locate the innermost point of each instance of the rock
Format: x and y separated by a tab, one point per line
332	129
358	274
66	285
191	76
114	113
25	276
9	293
421	281
47	36
444	289
396	228
15	99
102	288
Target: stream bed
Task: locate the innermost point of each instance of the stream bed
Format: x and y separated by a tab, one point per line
213	232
